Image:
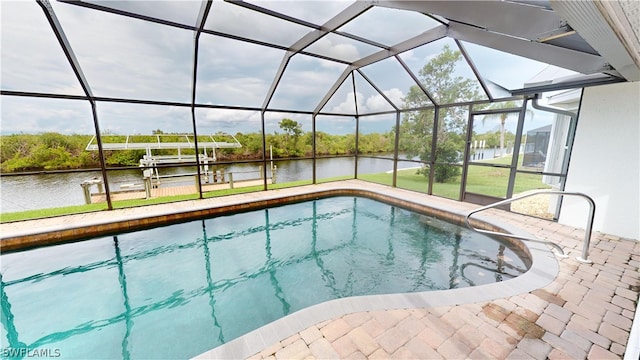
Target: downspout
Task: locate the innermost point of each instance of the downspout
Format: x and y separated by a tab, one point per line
568	145
550	109
572	129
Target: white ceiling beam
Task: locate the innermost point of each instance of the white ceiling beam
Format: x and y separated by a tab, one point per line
504	17
426	37
332	24
566	58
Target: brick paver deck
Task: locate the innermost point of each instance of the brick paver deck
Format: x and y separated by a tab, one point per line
586	312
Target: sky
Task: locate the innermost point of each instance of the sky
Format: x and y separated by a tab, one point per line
129	58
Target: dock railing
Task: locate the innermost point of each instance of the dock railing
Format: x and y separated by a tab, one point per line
588	229
150	181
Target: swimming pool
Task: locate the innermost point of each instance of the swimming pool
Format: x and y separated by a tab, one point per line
177	291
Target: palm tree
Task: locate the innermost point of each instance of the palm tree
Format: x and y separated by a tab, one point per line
503	118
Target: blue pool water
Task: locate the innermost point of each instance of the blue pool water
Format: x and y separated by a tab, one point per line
180	290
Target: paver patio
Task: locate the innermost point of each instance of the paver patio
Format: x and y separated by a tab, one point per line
586	312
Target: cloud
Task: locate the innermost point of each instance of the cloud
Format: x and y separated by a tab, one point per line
240	91
184	12
336	124
124	57
233	19
314	11
305	82
125	119
348	105
378	103
21	114
331	47
129	58
227	120
228	73
233	121
374	103
409	55
26	36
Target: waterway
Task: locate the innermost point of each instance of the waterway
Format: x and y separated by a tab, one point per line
29	192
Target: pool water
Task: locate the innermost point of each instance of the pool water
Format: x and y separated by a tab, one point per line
180	290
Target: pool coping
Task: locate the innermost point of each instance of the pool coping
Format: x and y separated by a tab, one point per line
22	235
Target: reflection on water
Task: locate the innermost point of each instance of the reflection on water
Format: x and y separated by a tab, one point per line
30	192
177	291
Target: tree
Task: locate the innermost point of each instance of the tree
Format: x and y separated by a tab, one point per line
291	127
416	129
292	130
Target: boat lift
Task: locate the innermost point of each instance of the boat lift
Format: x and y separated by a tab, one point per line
178	142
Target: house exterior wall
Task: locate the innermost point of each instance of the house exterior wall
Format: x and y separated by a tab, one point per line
605	161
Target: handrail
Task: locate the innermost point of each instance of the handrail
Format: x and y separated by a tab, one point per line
587	235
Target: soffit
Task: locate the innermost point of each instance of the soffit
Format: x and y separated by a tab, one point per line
611	27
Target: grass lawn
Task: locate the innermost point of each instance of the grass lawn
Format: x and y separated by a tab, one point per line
481	179
407	179
41	213
77	209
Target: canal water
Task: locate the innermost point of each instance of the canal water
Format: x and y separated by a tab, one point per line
29	192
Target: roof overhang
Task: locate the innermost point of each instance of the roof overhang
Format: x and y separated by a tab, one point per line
610	28
589	37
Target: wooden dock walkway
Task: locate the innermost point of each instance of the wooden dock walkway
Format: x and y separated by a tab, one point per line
173	190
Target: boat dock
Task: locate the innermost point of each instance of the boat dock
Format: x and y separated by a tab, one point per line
213	177
174	190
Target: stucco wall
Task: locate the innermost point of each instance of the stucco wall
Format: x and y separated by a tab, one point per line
605	161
